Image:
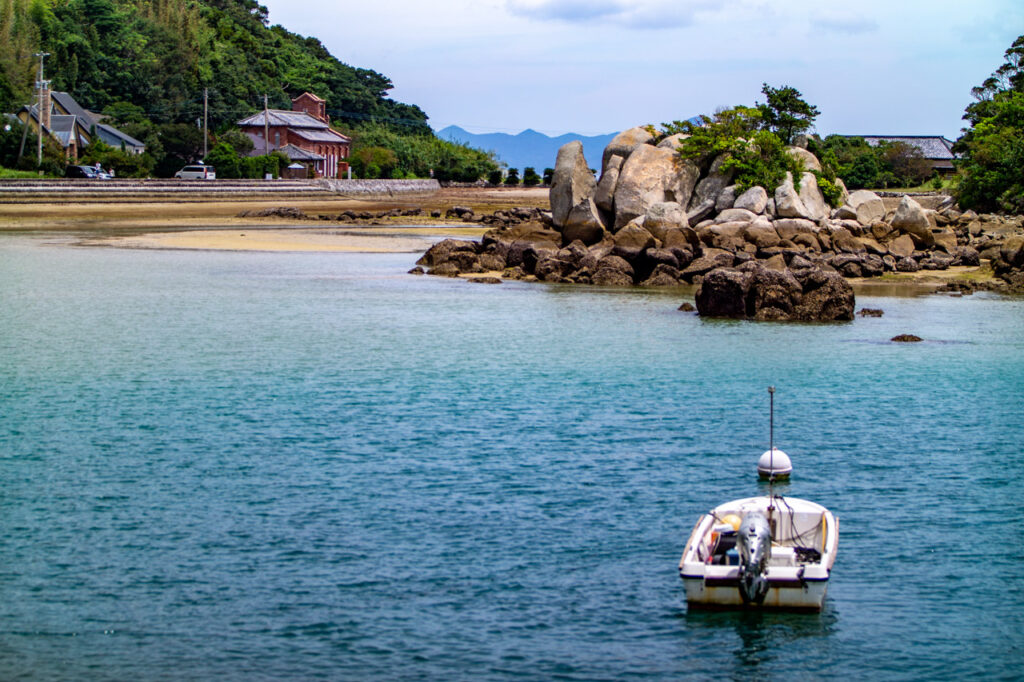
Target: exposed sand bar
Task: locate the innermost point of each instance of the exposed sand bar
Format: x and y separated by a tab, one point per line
140	215
353	240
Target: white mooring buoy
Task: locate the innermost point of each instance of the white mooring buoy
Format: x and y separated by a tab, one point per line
775	464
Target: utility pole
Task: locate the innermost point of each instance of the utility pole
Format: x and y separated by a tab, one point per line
206	128
266	127
40	84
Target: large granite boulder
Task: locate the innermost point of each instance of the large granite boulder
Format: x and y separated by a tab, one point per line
912	219
571	182
754	200
613	271
826	296
812	197
809	160
705	194
807	203
673	141
664	216
624	143
604	195
864	206
443	251
642	182
681	185
584	223
756	292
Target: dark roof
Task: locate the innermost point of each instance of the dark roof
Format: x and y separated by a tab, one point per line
288	119
63	127
108	133
68	104
327	135
933	147
298	154
115	137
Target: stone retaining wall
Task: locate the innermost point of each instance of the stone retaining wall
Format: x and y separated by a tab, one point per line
199	190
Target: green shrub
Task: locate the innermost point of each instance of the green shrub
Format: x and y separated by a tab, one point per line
832	192
513	177
530	177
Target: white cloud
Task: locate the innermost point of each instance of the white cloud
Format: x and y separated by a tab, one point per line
845	23
643	14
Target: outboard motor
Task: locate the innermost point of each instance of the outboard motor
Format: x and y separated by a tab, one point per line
754	543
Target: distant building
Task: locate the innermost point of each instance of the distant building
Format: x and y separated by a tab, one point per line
74	127
935	148
303	134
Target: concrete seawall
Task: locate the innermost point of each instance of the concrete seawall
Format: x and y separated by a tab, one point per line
206	190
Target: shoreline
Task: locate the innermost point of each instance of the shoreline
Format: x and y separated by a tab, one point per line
215	225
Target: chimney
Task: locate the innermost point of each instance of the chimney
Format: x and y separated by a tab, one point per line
46	104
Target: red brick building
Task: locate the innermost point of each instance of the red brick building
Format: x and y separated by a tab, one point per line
304	134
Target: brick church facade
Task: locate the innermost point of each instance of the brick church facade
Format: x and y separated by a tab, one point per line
304	134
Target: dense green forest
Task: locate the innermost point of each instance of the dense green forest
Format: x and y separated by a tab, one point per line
991	163
146	63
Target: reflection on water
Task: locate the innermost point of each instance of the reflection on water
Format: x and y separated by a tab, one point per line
761	638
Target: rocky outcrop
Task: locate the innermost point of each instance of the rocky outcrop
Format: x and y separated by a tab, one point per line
863	206
571	182
1009	263
642	183
911	218
754	291
623	144
653	219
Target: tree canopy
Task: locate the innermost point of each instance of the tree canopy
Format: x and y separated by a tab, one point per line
991	149
785	112
146	64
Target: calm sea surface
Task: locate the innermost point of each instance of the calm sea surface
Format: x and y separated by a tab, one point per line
314	466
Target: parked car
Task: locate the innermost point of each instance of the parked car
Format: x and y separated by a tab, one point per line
88	172
197	172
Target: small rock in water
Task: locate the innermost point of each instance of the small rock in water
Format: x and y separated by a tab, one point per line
485	280
906	338
870	312
687	307
417	271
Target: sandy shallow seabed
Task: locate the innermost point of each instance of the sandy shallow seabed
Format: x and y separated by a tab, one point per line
366	240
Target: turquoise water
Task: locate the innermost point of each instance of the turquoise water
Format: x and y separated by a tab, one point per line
310	466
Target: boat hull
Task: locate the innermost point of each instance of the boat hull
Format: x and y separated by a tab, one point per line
799	565
725	594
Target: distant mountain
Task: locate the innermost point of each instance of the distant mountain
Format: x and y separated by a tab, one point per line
529	148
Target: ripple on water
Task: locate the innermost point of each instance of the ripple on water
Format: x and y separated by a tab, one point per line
308	465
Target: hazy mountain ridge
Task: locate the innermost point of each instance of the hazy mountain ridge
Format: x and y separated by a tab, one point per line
528	148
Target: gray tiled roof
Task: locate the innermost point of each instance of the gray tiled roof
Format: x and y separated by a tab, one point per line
932	147
289	119
327	135
298	154
114	137
68	104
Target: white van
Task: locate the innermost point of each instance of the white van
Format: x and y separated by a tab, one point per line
197	173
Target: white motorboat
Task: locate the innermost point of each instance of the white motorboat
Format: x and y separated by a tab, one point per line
762	552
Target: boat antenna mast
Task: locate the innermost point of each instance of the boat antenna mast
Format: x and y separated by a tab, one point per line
771	452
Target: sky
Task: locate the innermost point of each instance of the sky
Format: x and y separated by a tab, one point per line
880	67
